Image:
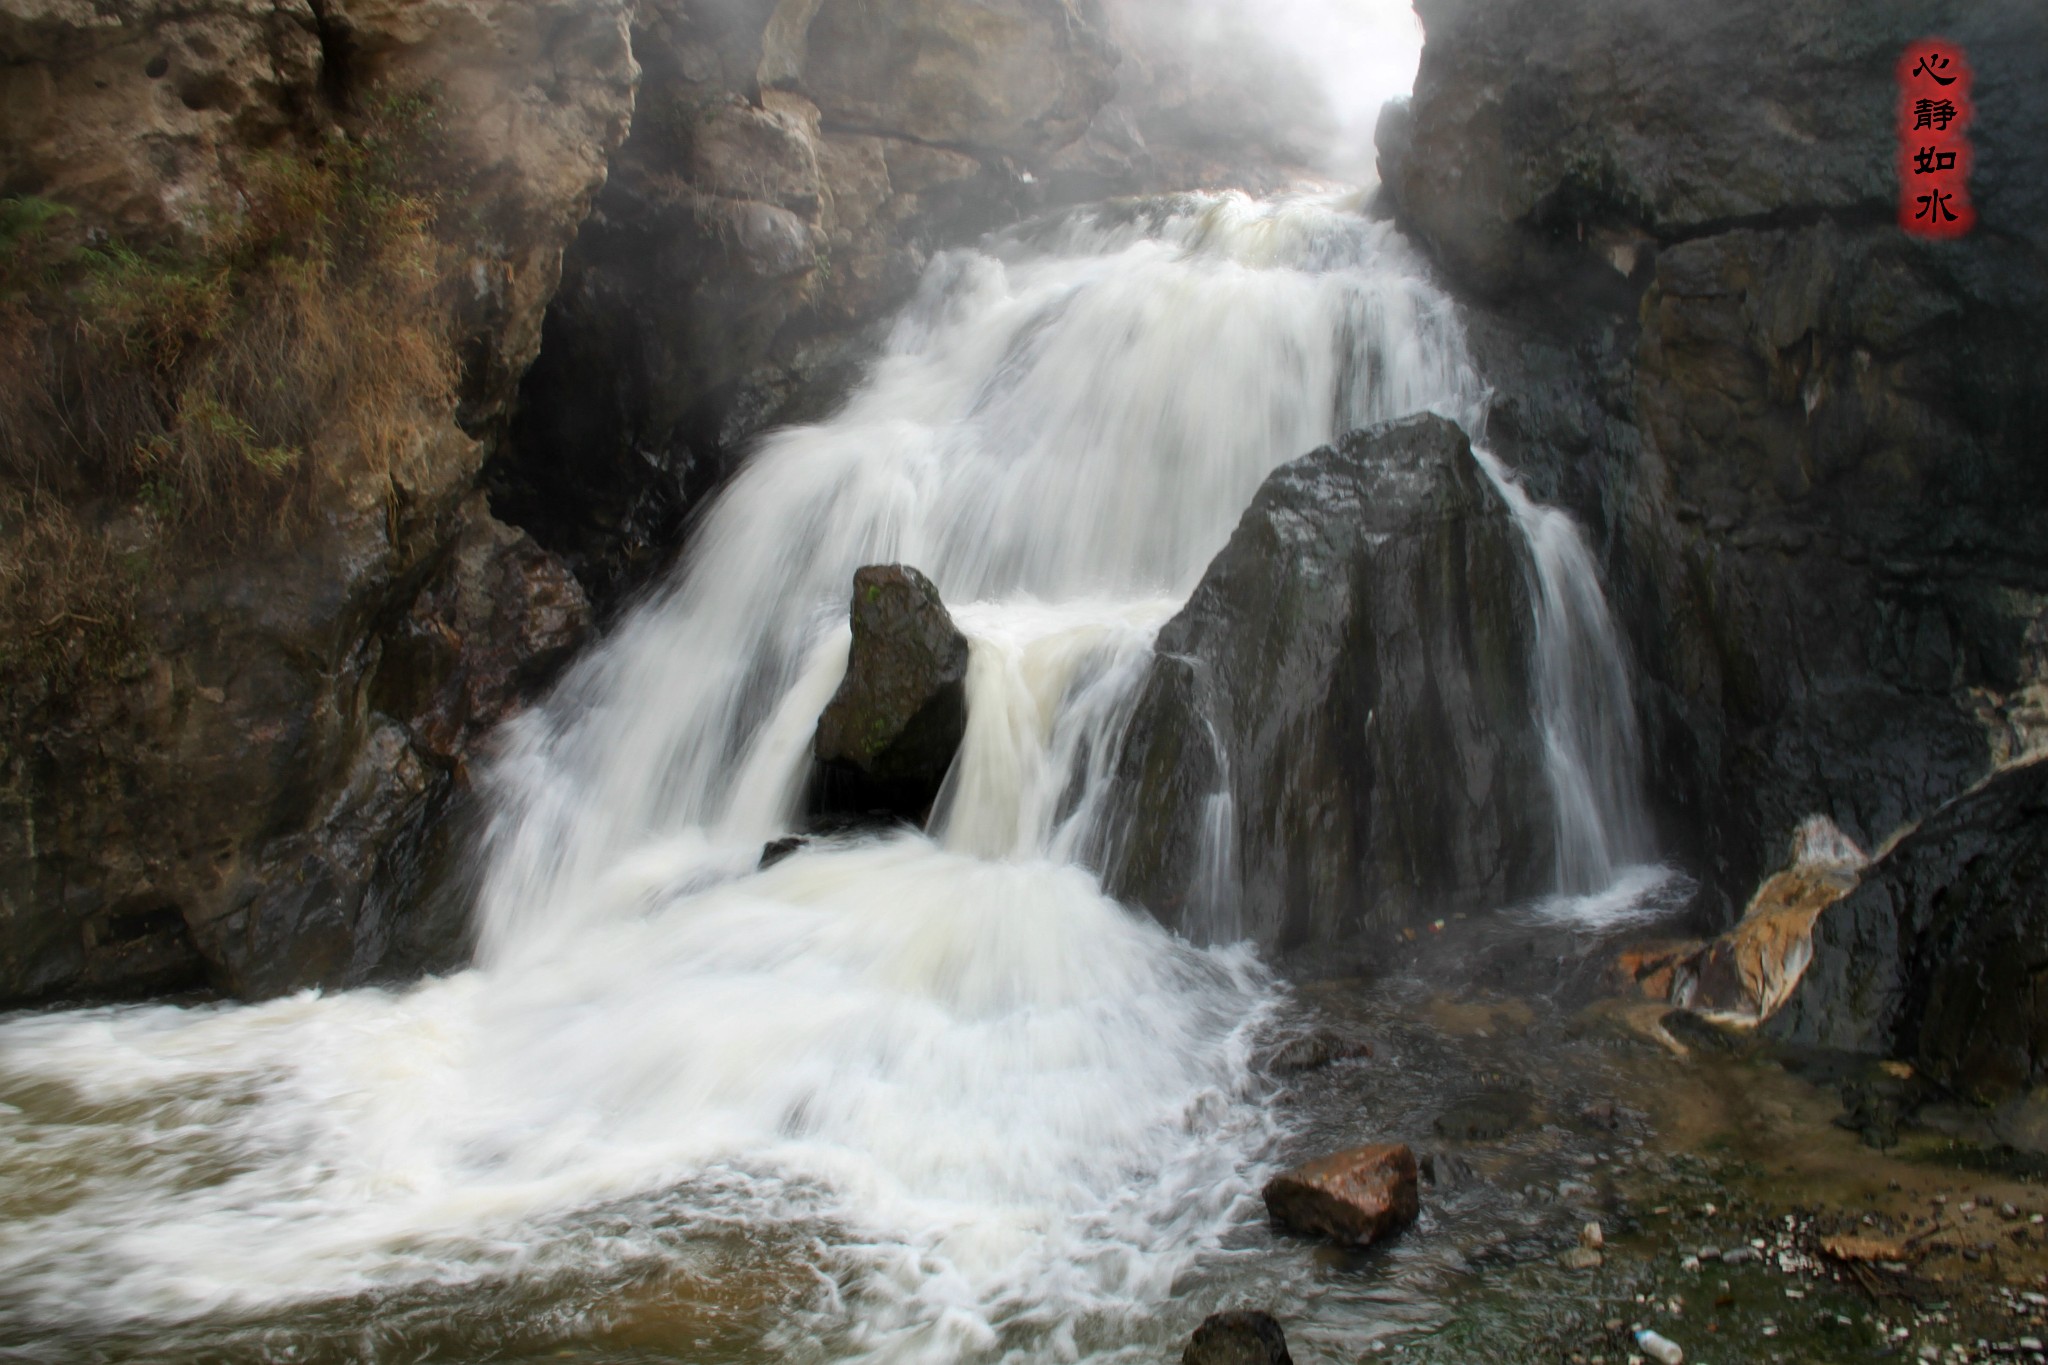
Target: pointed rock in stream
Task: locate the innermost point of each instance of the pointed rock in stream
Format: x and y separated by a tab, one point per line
1354	1197
889	734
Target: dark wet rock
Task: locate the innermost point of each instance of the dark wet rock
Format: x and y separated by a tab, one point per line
776	850
2021	1123
1806	444
889	734
373	892
1352	676
1311	1051
1638	141
1935	956
1353	1198
1238	1338
1487	1115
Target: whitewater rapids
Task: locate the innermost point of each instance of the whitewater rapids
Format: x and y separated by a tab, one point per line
986	1102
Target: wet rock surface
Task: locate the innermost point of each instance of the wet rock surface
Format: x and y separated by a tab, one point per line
1354	1198
1241	1337
889	734
1803	440
1486	1115
1312	1051
1350	683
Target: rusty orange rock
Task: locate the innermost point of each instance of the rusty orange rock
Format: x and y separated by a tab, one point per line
1353	1197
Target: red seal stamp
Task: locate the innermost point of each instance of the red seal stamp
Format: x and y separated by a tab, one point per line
1934	144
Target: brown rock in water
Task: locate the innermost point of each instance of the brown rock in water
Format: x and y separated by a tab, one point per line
1355	1197
1237	1338
888	736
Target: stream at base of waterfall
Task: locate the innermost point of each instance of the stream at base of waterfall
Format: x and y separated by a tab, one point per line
921	1096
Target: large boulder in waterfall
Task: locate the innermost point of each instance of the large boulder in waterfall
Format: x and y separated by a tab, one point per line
1353	678
1937	956
889	734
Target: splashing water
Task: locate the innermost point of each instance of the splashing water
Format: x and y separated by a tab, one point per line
980	1101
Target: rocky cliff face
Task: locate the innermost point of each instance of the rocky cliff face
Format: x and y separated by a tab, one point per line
793	167
223	798
1339	733
236	761
1809	444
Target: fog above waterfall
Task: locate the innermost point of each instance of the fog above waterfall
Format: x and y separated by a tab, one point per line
1305	79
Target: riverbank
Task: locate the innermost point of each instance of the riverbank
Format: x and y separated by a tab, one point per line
1740	1211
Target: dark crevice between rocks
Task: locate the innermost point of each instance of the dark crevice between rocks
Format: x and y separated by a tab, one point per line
337	57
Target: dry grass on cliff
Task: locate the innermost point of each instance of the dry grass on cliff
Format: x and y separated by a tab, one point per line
208	391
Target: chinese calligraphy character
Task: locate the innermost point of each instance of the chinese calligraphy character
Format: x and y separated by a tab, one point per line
1932	118
1940	64
1935	114
1934	207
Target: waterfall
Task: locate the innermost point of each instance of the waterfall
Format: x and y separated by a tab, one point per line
977	1102
1592	755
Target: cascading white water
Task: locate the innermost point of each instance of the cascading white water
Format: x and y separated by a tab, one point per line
1015	1103
1591	751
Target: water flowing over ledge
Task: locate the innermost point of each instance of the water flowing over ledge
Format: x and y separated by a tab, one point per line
981	1100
